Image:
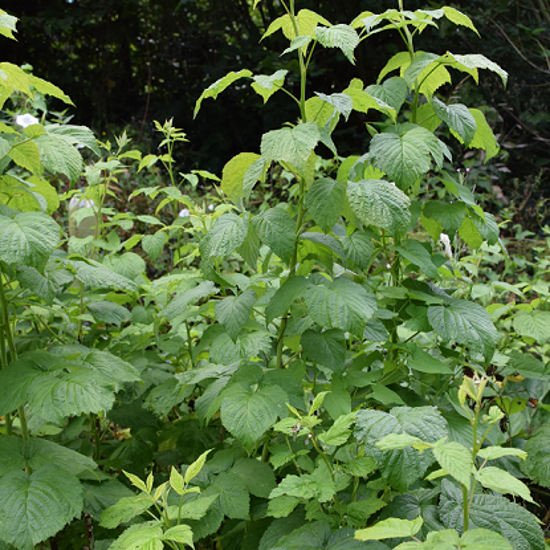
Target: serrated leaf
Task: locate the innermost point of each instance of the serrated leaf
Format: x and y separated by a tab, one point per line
59	156
129	264
153	245
493	512
340	304
477	61
424	362
94	275
326	348
146	535
392	91
219	86
291	145
233	496
324	201
305	486
225	236
306	20
535	324
458	18
494	452
343	37
247	414
176	481
484	137
233	175
281	301
381	204
537	465
400	467
47	88
126	509
27	155
318	536
35	507
179	304
266	86
339	432
450	216
358	512
502	482
456	460
458	118
29	238
109	312
275	227
75	135
358	248
194	469
466	323
406	157
99	496
414	252
342	103
391	528
181	534
194	509
233	312
258	476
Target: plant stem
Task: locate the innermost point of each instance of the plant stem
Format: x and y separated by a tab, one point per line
189	344
465	507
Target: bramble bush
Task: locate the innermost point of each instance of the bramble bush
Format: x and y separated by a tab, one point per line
319	372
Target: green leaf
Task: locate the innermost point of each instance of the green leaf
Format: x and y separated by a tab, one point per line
247	414
342	103
358	248
406	157
275	227
414	252
35	507
233	175
233	312
343	37
537	465
258	476
99	496
483	539
181	534
290	290
391	528
29	238
27	155
424	362
59	156
305	486
227	234
358	512
16	454
153	245
401	468
493	512
494	452
95	275
535	324
194	509
392	91
179	304
291	145
458	118
75	135
318	536
129	264
450	216
484	137
266	86
126	509
339	432
466	323
477	61
394	441
381	204
340	304
281	507
233	496
502	482
458	18
146	535
306	20
326	348
456	460
47	88
219	86
324	201
526	365
109	312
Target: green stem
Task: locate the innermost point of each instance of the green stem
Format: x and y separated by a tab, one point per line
465	507
321	453
190	344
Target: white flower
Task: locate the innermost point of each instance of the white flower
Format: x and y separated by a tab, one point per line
446	242
184	213
25	120
211	207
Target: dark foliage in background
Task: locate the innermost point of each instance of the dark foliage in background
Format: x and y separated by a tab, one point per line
128	62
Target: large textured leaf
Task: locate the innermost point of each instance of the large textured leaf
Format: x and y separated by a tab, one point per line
226	235
125	509
281	301
29	238
247	414
129	265
94	275
391	528
233	312
325	348
219	86
343	37
342	104
456	460
233	175
59	156
472	62
458	118
109	312
318	536
535	324
179	304
306	20
291	145
419	256
266	86
257	476
537	465
233	497
400	467
35	507
153	245
494	512
16	454
450	216
502	482
324	201
75	135
381	204
393	92
341	304
466	323
406	157
275	227
358	248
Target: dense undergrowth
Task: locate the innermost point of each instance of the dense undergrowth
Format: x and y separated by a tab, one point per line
308	352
